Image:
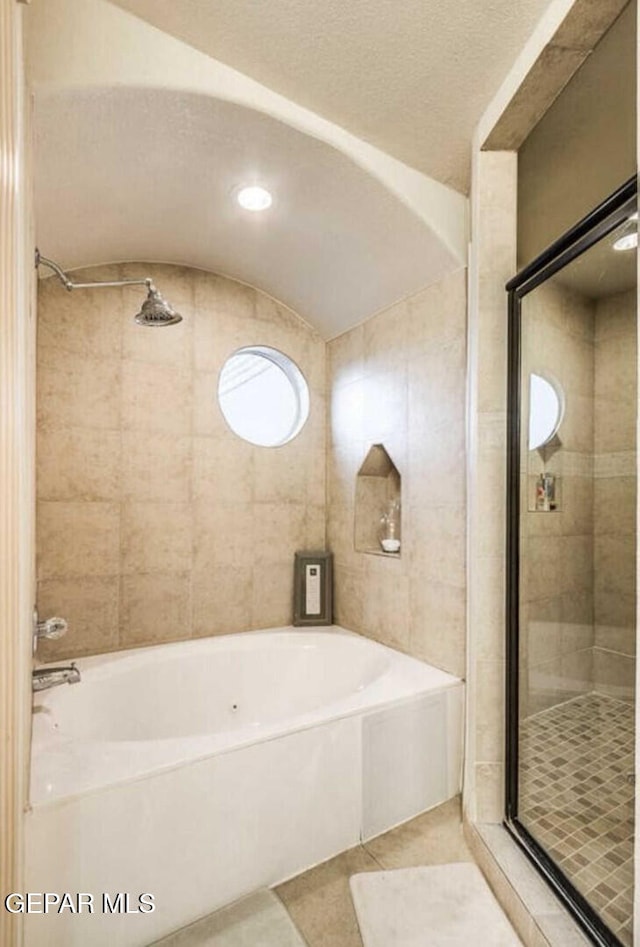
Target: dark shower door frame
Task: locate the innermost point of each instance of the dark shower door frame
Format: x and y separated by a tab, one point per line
592	228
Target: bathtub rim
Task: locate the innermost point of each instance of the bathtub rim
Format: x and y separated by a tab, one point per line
286	727
108	657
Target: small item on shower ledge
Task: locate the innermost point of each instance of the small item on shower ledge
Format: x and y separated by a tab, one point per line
389	533
546	493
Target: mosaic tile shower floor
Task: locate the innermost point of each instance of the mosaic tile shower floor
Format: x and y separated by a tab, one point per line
577	798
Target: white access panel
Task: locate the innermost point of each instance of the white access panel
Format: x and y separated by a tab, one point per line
405	762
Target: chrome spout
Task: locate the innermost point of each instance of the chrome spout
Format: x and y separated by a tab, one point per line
44	678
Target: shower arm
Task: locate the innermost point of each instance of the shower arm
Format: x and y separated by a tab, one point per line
70	285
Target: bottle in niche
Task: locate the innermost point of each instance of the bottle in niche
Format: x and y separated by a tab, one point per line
546	493
389	532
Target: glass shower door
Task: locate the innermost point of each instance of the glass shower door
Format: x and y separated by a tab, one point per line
573	582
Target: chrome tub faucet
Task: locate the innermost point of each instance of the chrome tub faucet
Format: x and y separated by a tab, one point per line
44	678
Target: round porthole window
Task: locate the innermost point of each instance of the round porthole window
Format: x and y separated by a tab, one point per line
546	409
263	396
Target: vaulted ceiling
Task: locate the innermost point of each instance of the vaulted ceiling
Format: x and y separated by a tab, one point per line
410	76
150	174
149	114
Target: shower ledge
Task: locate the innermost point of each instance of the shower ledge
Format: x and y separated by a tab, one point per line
537	915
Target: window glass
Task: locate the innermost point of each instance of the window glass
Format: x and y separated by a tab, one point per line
263	396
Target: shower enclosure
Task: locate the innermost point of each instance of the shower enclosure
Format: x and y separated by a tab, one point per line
571	598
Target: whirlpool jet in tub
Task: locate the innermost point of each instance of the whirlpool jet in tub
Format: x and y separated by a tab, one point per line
202	770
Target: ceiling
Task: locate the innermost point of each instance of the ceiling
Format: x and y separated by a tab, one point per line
411	77
149	174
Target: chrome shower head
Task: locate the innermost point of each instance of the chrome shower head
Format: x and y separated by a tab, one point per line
156	311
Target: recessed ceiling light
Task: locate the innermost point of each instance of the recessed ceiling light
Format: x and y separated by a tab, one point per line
628	242
254	198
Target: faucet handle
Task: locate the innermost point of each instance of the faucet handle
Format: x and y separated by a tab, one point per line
52	628
49	628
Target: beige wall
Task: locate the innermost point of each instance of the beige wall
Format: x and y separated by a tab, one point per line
556	554
578	595
399	380
155	521
615	494
492	263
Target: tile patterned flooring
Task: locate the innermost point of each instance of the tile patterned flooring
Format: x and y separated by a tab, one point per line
319	901
577	798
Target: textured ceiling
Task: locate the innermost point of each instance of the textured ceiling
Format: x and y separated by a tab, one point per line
410	76
144	174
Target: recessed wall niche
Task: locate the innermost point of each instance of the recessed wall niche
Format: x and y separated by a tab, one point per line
378	504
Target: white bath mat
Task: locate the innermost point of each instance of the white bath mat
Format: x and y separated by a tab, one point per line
439	906
261	919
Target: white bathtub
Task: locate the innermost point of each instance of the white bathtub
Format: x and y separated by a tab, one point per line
201	770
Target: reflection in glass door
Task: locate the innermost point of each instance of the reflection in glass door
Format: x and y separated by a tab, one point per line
572	565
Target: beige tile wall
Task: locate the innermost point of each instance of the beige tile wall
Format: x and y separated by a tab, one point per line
556	582
615	495
155	521
492	263
399	380
578	592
